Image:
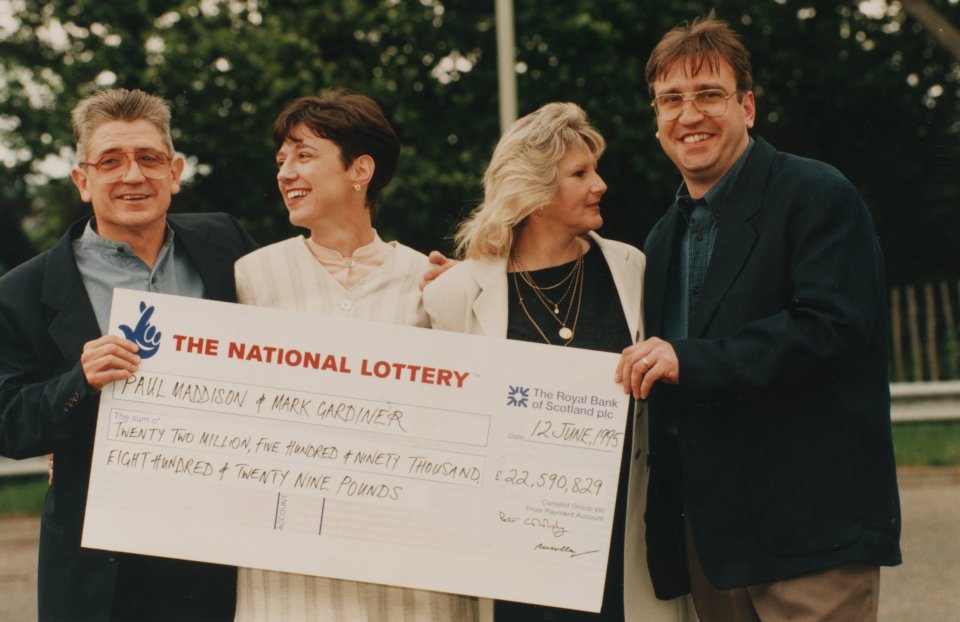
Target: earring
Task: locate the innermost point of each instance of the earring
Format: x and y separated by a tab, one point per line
357	187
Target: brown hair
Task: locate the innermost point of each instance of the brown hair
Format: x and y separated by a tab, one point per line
118	105
352	121
706	41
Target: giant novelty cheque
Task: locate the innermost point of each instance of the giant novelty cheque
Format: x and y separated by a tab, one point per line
295	442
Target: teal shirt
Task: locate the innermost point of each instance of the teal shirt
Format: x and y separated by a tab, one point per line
700	223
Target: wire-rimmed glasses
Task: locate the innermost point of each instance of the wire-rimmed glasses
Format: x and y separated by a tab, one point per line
710	102
114	166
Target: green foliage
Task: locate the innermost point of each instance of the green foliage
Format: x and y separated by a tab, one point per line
878	98
935	443
22	495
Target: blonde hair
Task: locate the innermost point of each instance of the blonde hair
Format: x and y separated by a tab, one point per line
522	176
118	105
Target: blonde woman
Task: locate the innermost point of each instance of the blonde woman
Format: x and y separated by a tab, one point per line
334	154
535	270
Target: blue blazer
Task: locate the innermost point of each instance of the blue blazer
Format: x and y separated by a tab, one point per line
783	459
46	406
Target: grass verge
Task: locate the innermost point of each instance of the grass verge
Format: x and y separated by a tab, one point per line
931	443
22	495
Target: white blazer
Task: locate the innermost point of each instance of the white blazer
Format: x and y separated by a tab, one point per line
472	297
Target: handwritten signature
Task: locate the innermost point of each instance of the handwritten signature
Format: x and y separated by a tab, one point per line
555	527
563	549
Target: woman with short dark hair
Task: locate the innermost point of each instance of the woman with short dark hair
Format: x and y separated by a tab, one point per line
335	153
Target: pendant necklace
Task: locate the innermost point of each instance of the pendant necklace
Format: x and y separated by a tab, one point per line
574	290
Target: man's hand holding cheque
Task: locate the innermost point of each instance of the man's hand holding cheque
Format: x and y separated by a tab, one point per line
645	363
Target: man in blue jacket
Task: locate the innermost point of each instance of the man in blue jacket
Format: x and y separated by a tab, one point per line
773	489
55	355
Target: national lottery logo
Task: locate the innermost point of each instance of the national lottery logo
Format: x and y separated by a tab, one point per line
518	396
144	334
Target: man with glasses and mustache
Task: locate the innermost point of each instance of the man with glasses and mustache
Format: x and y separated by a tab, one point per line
773	492
55	355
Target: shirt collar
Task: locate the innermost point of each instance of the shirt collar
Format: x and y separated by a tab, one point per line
716	196
94	241
373	253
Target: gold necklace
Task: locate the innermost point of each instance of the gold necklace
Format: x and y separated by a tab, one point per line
528	279
566	332
541	291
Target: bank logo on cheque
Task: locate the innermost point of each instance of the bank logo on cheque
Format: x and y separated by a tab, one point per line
144	334
518	396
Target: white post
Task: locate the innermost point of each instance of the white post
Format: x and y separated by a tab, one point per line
506	64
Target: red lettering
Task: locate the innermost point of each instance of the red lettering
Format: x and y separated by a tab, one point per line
427	377
197	345
236	350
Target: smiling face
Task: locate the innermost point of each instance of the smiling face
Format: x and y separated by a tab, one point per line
133	204
704	148
315	185
576	207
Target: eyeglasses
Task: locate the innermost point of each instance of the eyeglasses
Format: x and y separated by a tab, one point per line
114	166
711	102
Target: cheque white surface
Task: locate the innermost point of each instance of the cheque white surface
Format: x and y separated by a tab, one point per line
357	450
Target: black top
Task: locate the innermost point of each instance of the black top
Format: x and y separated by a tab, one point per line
601	326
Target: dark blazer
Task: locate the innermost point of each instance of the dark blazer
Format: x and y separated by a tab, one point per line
46	406
783	458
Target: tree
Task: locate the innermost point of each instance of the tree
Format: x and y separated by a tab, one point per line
872	93
229	69
935	23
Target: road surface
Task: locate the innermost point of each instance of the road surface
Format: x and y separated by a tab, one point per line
923	588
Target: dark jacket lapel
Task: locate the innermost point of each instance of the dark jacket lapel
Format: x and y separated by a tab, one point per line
212	259
74	322
737	234
659	250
